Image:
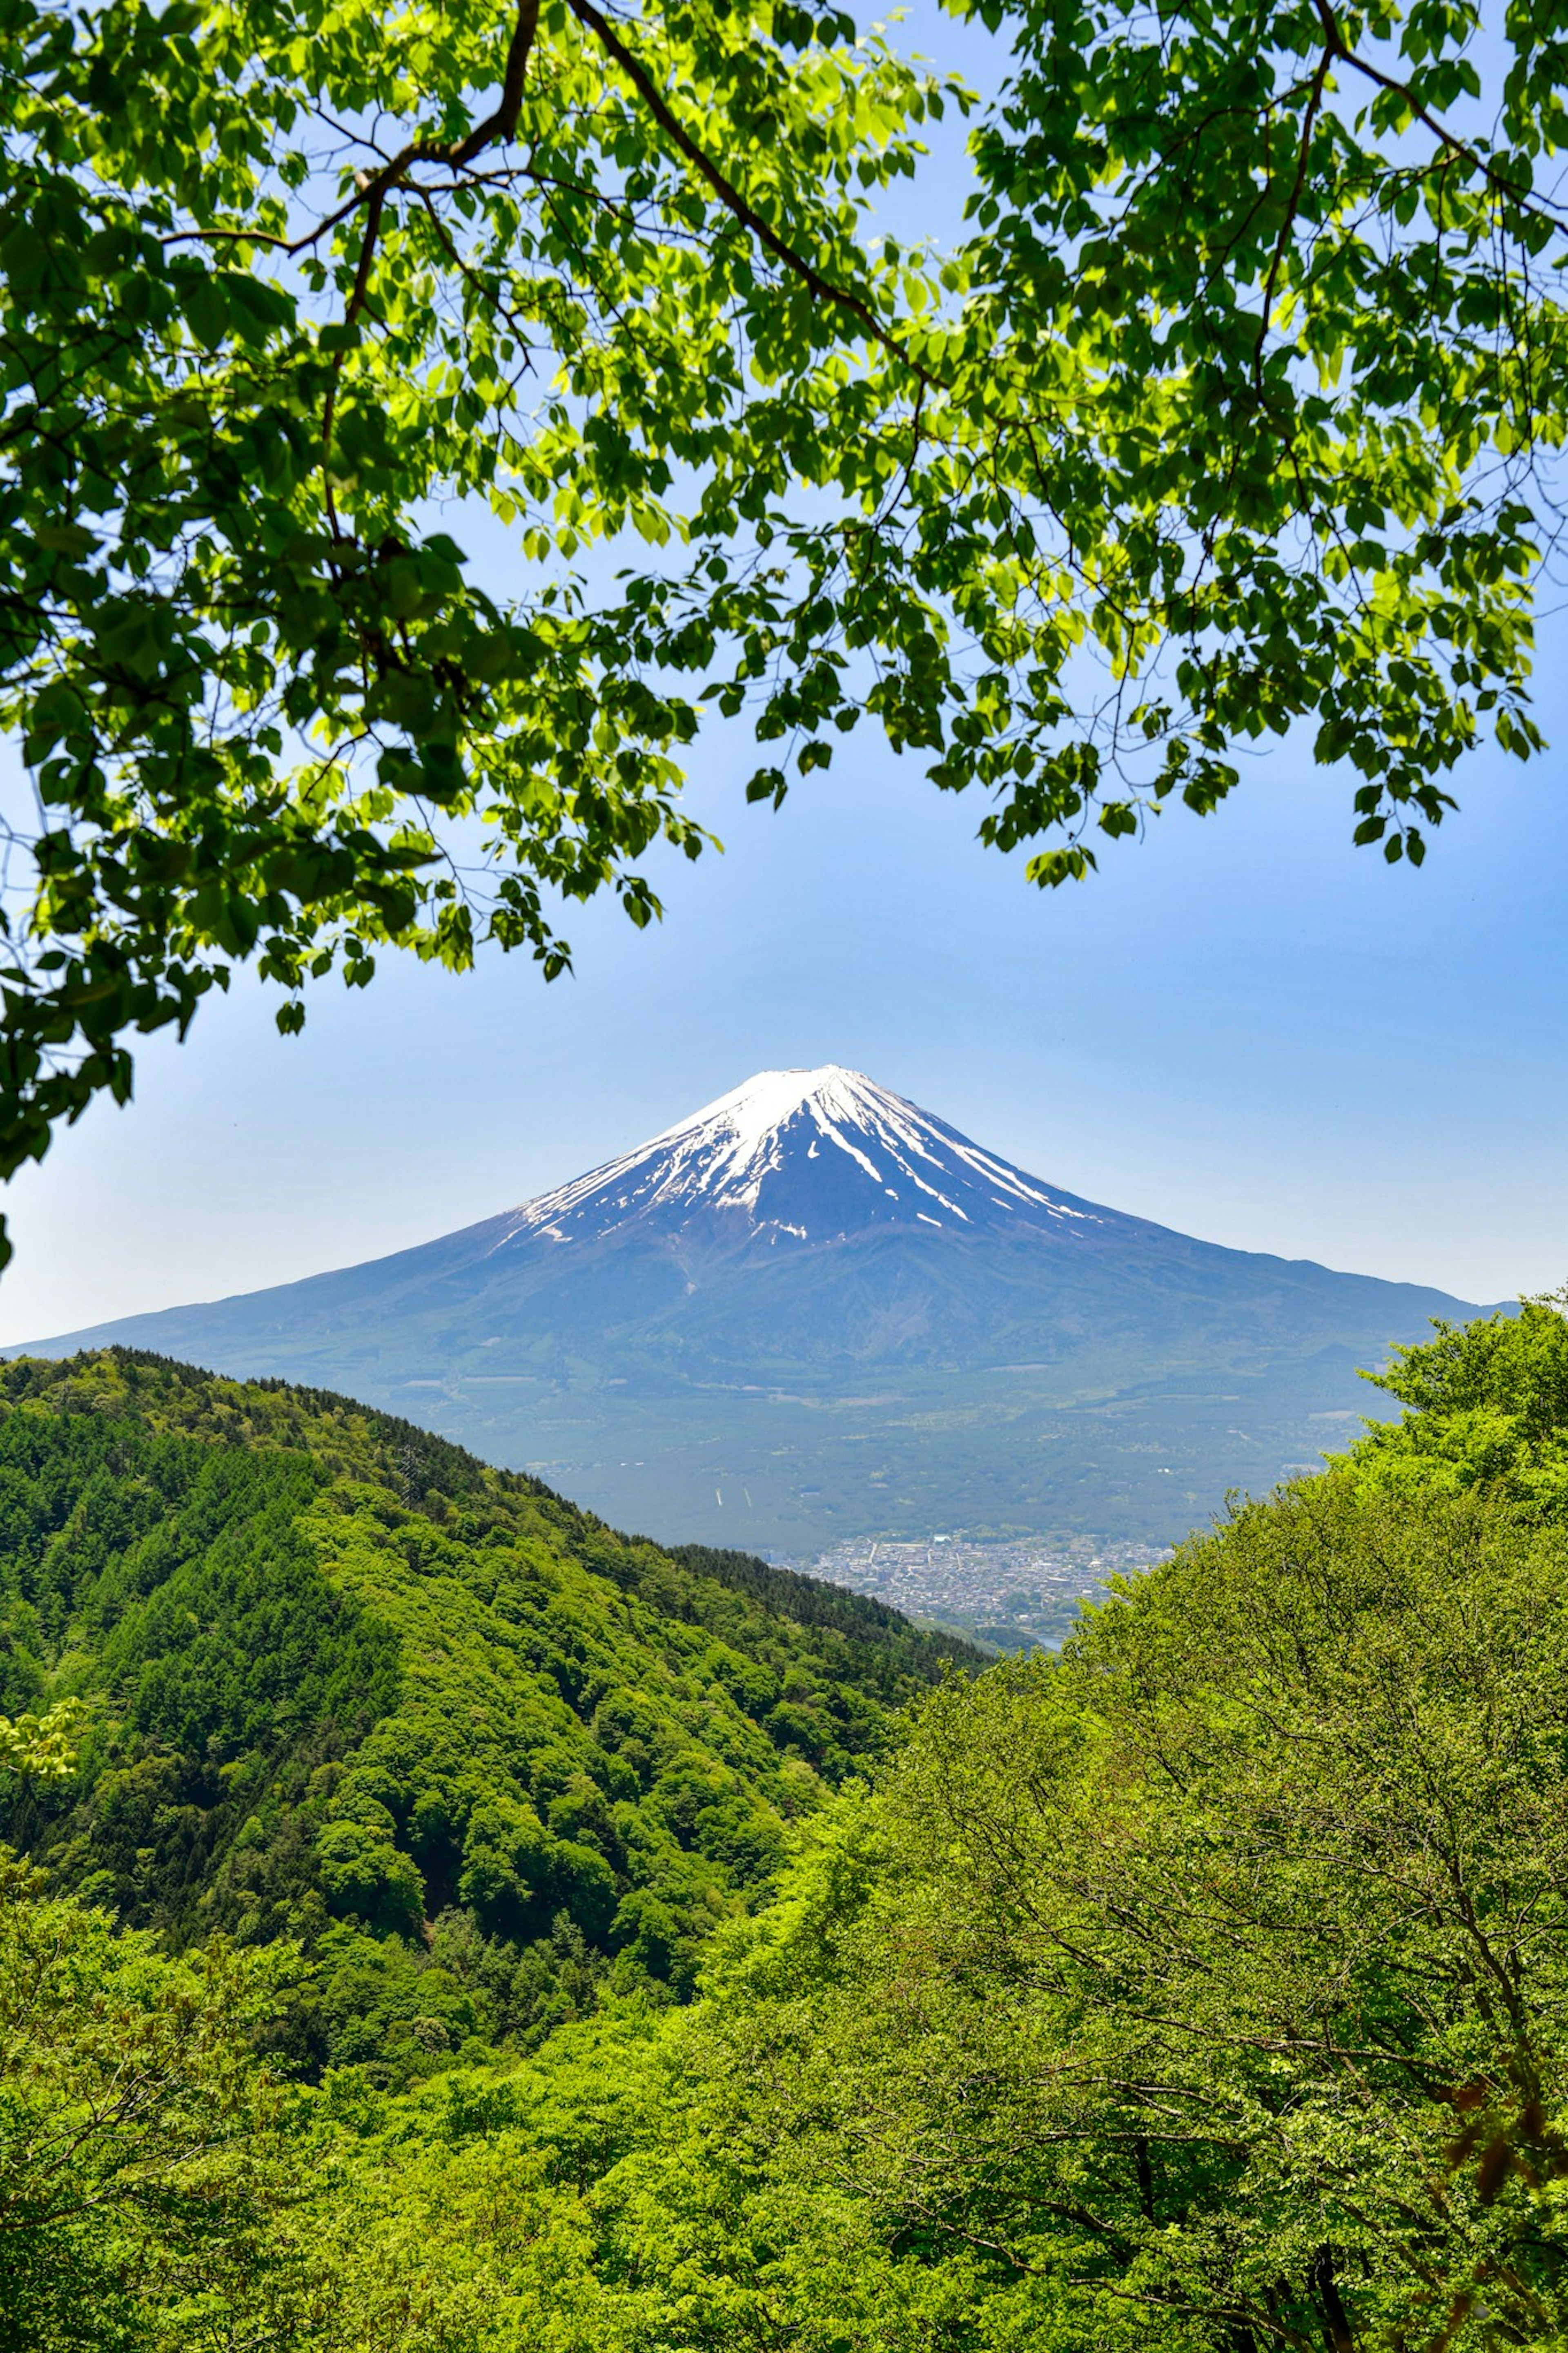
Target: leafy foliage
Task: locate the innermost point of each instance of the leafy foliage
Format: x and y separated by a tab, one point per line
1210	1979
1486	1408
140	2162
1202	1988
1234	409
253	685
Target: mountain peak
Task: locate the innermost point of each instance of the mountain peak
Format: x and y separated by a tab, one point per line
770	1099
804	1155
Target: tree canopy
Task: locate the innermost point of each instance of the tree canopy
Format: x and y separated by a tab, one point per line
1230	409
1199	1990
309	1672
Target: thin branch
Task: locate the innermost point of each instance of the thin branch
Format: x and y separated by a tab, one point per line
730	197
1449	140
376	186
1293	206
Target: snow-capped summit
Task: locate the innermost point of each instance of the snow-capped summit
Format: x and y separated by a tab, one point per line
806	1155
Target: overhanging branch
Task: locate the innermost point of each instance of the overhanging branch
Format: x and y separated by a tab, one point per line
730	196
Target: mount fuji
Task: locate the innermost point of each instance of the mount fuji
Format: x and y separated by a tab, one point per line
813	1311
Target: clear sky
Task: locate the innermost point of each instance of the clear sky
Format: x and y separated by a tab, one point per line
1244	1028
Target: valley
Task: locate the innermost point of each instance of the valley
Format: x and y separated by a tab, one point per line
1016	1596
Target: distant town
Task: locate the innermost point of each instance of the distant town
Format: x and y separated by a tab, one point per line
1018	1595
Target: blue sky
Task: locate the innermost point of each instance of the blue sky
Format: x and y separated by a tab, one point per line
1243	1027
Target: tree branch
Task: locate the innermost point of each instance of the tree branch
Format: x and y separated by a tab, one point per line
1282	245
376	186
1340	49
730	197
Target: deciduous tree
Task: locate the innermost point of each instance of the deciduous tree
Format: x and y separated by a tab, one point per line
1226	414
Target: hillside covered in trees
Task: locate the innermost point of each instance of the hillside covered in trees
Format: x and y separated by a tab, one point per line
343	1684
1204	1987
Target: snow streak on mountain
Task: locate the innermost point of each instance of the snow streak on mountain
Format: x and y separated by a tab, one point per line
811	1155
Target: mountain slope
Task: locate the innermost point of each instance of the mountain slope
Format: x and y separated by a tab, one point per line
344	1682
813	1309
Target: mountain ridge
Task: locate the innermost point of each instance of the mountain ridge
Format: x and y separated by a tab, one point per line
339	1681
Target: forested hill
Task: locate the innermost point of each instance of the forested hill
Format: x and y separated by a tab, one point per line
484	1757
1201	1989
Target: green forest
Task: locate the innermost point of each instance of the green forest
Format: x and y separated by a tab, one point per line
431	1919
